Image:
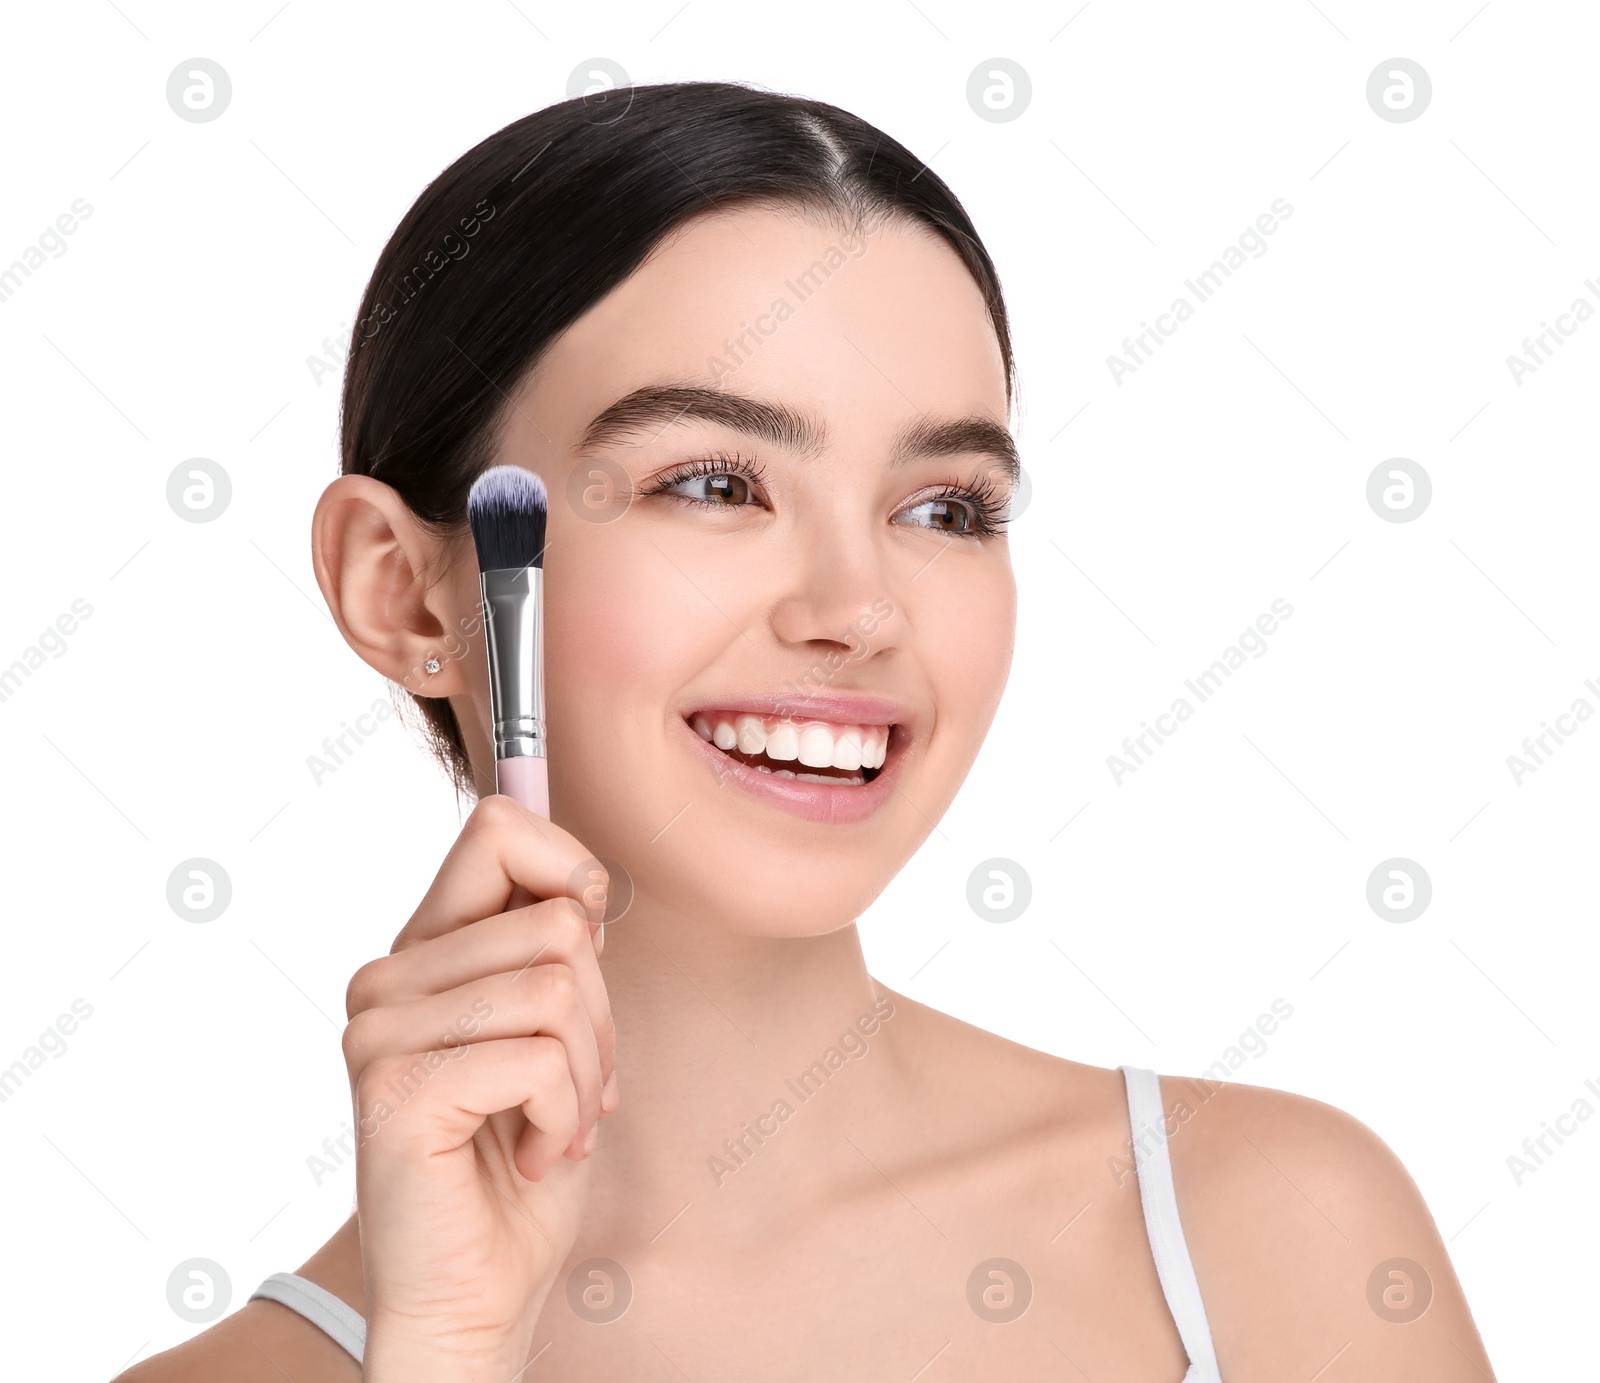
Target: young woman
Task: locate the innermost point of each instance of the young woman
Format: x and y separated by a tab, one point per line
760	359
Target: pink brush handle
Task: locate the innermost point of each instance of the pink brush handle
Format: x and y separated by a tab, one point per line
525	780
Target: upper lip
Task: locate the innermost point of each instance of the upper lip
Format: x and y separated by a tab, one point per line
838	708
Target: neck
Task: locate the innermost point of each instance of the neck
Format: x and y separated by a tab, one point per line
742	1062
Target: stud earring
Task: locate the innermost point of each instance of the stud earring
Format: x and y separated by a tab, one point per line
432	666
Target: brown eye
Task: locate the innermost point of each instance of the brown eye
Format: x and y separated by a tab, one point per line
722	489
727	489
941	515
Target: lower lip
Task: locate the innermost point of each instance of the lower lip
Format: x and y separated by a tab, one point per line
822	802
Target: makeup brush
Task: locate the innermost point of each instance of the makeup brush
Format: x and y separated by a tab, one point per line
507	508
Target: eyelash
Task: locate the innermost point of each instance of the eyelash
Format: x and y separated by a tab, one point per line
719	464
987	504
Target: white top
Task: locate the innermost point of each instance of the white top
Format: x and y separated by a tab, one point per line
1167	1245
1154	1167
319	1306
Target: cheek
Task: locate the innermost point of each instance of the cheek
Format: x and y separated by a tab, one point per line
965	635
623	631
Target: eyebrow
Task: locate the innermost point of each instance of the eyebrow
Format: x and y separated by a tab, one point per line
956	437
666	404
785	427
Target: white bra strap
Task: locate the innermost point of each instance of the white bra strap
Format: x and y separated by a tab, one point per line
1146	1120
335	1318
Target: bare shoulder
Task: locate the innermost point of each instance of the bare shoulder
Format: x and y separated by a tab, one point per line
975	1108
1314	1250
1310	1240
261	1342
1226	1137
985	1091
264	1342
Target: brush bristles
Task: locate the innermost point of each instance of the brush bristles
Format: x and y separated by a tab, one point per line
507	508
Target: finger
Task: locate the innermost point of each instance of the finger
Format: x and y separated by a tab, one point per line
538	1000
502	845
542	933
470	1084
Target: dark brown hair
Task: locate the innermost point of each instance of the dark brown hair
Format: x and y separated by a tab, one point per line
529	229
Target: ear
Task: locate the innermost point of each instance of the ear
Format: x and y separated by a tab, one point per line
377	565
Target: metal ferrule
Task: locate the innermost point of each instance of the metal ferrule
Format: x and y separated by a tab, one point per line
512	622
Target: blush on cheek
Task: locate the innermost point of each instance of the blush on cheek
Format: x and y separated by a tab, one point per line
634	635
624	633
609	648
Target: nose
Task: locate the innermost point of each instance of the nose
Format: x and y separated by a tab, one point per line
836	594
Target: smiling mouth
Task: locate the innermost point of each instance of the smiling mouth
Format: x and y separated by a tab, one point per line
816	751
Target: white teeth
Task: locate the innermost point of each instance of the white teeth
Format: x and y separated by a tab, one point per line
783	741
816	746
752	734
784	773
814	743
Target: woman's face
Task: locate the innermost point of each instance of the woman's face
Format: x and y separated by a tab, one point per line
774	455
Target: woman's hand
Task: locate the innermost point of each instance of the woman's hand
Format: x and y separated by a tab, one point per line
480	1054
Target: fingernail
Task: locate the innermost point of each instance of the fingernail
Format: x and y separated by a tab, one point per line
610	1098
591	1140
599	937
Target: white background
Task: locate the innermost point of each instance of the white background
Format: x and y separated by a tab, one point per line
1168	512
